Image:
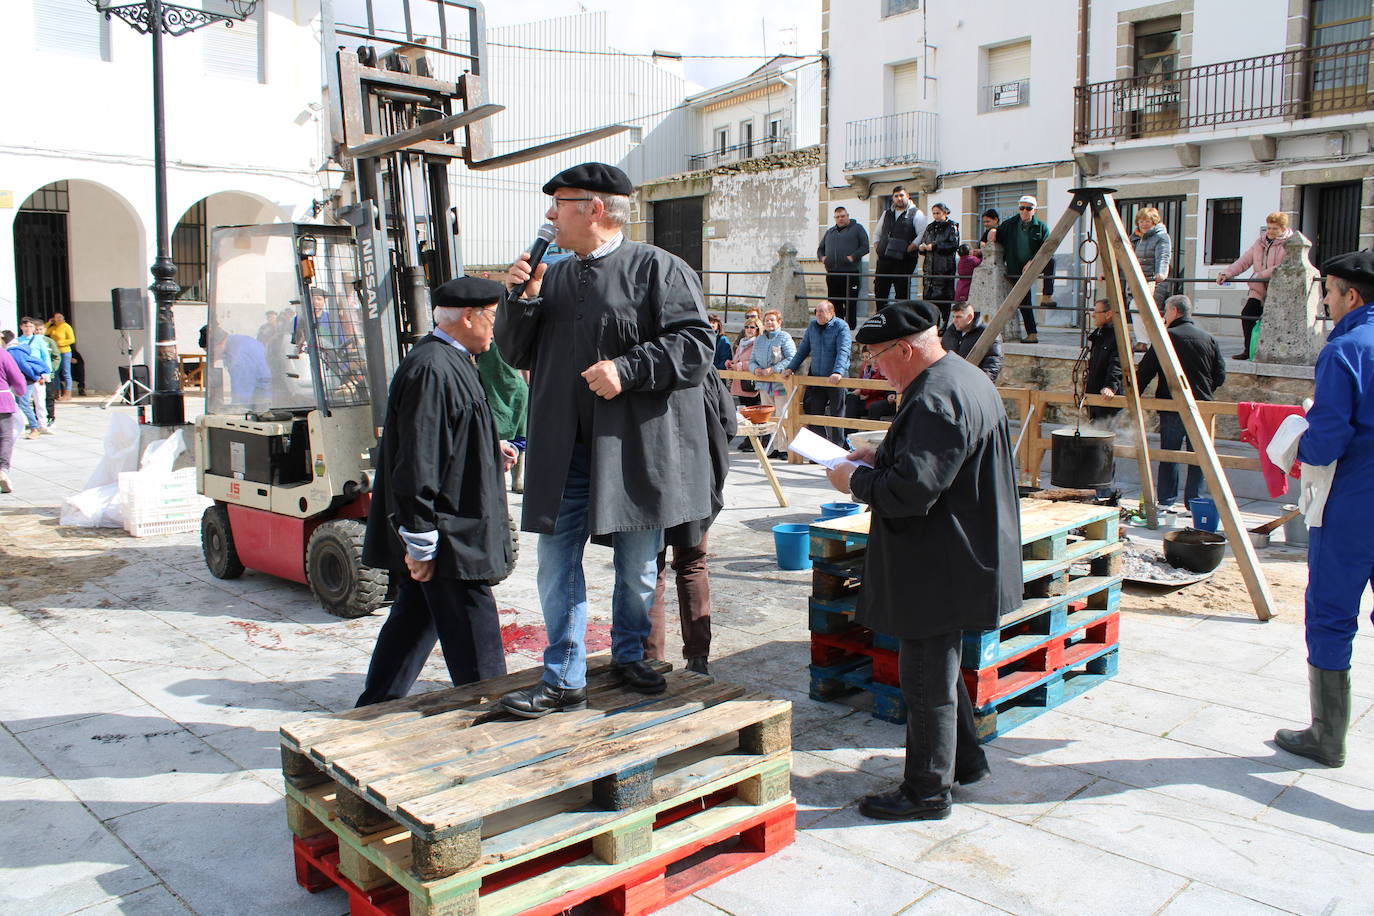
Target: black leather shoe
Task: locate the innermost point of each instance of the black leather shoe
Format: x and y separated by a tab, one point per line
638	676
534	702
896	806
697	664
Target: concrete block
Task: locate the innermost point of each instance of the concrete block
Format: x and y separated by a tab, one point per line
1292	330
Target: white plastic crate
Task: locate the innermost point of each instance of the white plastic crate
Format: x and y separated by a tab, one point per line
160	503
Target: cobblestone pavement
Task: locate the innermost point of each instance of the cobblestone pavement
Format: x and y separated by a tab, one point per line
140	699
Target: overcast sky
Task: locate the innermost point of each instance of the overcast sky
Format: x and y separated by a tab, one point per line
702	27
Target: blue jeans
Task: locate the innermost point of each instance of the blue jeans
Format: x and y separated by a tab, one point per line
26	408
563	586
1172	437
64	372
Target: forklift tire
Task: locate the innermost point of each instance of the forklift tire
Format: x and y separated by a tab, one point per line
334	567
217	544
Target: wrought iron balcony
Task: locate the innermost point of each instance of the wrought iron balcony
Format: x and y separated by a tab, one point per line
1305	83
738	153
895	139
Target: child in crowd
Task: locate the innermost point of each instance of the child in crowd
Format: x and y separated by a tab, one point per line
968	262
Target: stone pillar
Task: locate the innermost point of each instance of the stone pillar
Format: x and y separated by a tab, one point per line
787	289
990	284
1292	331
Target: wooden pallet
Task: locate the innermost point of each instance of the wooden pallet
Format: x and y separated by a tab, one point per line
1042	661
831	649
1085	599
436	793
829	682
1063	686
721	840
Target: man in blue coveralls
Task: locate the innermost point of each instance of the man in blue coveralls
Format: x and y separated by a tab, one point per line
1340	553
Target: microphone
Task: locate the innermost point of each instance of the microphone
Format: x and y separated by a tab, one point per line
541	245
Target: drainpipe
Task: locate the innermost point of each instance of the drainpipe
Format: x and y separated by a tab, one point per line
1085	289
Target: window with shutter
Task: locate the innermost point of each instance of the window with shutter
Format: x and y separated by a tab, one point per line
235	53
70	27
1008	76
906	88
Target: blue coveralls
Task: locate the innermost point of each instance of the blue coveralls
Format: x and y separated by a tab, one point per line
1340	553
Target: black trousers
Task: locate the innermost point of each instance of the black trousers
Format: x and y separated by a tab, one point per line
825	402
941	739
842	289
1249	317
52	397
461	616
899	285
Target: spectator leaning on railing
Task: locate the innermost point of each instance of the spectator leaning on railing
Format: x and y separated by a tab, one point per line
1153	250
827	342
773	351
1262	258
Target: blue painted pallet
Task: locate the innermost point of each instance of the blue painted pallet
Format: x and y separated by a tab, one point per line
828	683
836	615
1040	619
1010	712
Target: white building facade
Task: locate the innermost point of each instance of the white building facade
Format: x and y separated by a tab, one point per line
77	217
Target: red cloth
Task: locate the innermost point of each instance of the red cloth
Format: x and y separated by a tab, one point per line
1258	423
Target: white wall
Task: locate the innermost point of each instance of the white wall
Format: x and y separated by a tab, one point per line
754	214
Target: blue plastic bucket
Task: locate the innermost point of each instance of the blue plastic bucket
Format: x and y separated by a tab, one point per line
838	510
793	544
1204	510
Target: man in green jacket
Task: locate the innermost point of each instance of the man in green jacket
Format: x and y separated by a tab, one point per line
1021	237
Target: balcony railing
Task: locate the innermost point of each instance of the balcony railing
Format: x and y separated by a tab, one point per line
1305	83
895	139
737	153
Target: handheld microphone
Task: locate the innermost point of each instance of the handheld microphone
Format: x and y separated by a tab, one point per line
541	245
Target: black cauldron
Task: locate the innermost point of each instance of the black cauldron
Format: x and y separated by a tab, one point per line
1081	459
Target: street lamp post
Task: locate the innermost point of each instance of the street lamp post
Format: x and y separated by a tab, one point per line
155	18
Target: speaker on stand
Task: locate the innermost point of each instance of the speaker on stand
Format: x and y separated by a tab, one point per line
130	314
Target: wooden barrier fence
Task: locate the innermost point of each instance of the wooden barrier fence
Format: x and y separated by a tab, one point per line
1028	405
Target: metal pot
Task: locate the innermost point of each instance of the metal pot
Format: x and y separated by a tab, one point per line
1081	458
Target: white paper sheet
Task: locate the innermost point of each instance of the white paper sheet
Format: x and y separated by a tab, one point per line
822	451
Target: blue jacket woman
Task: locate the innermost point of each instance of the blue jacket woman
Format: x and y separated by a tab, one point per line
773	349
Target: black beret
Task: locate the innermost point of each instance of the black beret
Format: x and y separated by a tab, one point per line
1356	265
592	176
900	319
467	293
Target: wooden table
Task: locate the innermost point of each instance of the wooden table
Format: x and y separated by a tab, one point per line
753	431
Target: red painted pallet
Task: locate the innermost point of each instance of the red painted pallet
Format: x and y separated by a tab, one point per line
830	649
986	686
641	887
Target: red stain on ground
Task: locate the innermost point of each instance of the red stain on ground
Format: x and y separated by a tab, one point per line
259	635
530	639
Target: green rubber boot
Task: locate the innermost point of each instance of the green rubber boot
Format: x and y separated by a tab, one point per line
1323	740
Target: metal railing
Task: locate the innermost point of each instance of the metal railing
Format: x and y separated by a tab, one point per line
1305	83
738	153
895	139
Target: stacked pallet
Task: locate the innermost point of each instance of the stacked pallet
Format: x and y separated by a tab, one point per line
437	804
1060	642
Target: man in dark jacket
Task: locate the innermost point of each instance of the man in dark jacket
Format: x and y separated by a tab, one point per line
899	231
1021	237
963	332
1103	375
939	243
944	546
1203	367
438	520
617	343
842	250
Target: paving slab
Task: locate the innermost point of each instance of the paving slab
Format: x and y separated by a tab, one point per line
942	901
1202	900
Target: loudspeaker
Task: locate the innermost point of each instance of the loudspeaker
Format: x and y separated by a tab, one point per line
129	309
141	376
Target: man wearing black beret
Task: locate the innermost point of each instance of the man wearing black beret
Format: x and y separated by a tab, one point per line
944	547
438	520
618	345
1340	548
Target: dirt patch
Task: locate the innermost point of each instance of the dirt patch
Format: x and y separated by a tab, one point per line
39	558
1285	570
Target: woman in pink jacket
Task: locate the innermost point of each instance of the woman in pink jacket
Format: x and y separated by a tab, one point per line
1262	257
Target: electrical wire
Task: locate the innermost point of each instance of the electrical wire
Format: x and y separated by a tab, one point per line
674	55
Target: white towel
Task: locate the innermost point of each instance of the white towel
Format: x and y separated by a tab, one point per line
1315	484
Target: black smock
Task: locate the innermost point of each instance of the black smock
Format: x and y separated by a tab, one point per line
440	467
649	459
944	546
940	261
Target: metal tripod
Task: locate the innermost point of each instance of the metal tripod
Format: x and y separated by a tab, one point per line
129	393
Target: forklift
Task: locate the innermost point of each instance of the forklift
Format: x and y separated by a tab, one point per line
308	322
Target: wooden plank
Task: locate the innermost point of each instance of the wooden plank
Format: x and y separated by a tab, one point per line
768	470
411	771
471	803
1170	369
